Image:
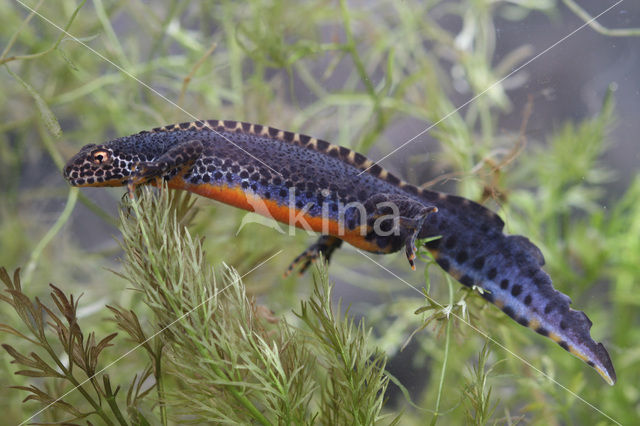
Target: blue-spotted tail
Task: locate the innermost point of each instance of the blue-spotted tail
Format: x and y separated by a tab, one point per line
474	250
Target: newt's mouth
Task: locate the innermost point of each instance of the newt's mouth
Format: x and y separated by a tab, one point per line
67	172
91	175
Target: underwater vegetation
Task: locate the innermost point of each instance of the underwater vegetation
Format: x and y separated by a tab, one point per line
165	310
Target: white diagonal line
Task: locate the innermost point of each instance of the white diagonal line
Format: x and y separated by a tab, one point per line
101	56
365	255
151	337
494	341
493	85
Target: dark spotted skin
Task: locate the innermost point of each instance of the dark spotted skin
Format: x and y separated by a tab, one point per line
234	162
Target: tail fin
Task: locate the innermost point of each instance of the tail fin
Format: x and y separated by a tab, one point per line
509	269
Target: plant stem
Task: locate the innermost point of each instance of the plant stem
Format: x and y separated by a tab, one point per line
160	387
51	233
70	377
111	400
351	48
446	356
14	36
4	59
596	26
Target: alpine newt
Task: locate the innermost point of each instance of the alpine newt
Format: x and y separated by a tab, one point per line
308	182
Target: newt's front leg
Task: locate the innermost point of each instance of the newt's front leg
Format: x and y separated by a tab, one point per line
407	215
168	165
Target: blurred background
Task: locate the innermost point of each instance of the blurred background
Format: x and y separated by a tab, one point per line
538	144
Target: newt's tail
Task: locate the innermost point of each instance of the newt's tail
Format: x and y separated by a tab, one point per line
508	269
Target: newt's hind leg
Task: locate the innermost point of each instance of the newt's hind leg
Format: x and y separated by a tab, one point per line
399	217
326	245
168	165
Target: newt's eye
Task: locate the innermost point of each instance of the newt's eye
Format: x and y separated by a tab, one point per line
99	157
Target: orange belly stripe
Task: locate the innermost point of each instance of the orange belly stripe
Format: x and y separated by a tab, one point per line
237	197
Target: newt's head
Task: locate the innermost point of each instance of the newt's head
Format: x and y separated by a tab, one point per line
98	165
111	163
